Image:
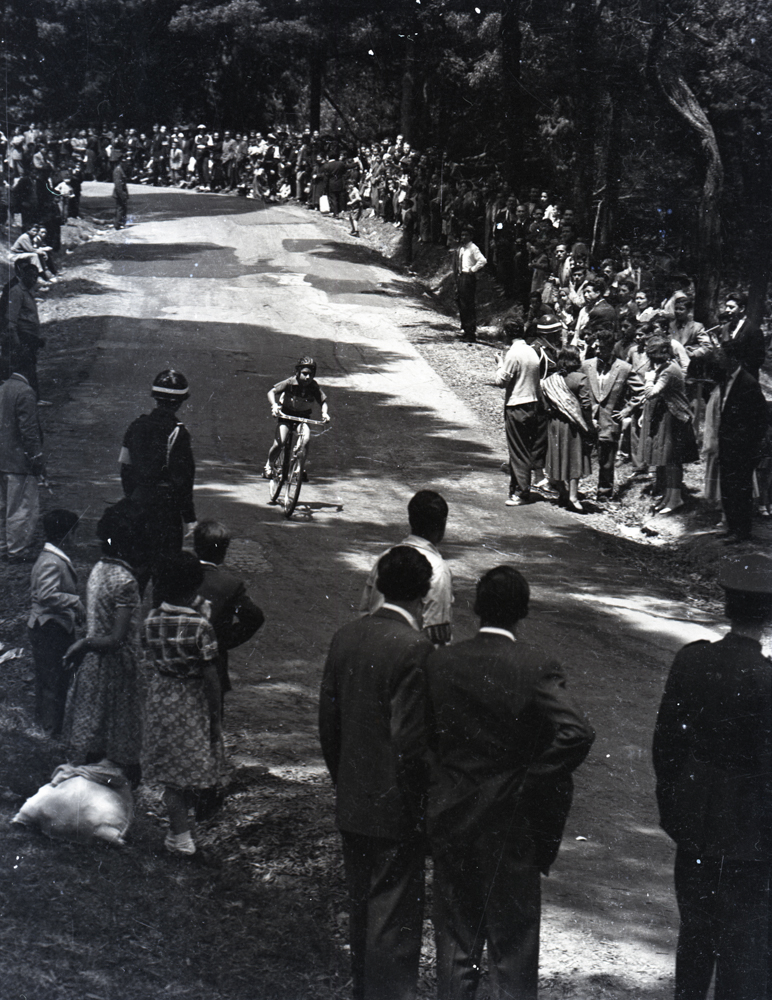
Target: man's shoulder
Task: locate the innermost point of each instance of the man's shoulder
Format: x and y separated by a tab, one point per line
16	388
379	626
519	350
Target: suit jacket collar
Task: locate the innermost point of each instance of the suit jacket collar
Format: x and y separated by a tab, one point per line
501	632
594	378
396	614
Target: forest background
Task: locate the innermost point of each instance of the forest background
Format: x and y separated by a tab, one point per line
652	118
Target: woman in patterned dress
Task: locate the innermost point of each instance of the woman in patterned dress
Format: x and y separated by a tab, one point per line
103	716
183	747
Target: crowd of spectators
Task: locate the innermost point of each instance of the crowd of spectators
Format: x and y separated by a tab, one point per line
529	242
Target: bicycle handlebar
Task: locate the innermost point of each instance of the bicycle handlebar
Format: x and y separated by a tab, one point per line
301	420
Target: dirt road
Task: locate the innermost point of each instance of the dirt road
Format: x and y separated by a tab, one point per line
232	294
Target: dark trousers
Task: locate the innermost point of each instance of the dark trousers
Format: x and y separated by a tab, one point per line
385	881
487	893
736	478
607	455
724	908
526	431
466	295
50	642
121	208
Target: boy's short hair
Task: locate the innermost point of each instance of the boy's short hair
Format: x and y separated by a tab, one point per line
211	540
180	577
57	524
404	574
502	597
427	513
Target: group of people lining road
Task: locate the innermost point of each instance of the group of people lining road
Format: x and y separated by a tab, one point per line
461	750
648	391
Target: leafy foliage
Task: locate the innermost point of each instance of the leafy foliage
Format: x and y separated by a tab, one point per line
562	102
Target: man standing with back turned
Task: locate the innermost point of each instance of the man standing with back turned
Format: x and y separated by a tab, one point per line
373	732
504	737
428	515
713	761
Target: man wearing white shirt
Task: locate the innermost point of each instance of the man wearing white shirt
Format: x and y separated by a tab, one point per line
524	420
428	515
467	261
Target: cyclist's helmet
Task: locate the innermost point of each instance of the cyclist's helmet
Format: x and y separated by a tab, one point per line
306	362
170	385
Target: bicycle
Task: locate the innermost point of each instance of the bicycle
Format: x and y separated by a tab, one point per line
288	468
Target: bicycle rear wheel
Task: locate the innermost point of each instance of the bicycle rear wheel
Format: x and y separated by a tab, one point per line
279	474
293	484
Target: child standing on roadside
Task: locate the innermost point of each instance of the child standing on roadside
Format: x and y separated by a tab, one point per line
56	609
354	207
183	748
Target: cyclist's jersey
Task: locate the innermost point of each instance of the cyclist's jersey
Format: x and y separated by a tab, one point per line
296	399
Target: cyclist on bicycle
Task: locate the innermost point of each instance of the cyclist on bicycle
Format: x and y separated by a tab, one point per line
295	396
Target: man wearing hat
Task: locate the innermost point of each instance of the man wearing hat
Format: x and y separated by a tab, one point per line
158	471
713	762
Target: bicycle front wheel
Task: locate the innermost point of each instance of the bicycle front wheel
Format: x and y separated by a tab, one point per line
279	474
294	482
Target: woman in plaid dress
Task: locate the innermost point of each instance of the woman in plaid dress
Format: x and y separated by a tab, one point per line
183	747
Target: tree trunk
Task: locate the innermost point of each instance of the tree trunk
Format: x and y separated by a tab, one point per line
316	67
408	102
586	102
680	98
757	196
609	170
511	40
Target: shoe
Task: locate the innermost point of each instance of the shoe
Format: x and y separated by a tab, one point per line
733	539
180	843
515	501
305	476
267	472
469	338
664	511
543	486
575	506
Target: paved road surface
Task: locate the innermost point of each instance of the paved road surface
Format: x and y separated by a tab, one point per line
232	295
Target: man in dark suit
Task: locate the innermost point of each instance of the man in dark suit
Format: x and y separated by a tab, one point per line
741	432
234	616
373	732
713	761
747	338
505	737
615	390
